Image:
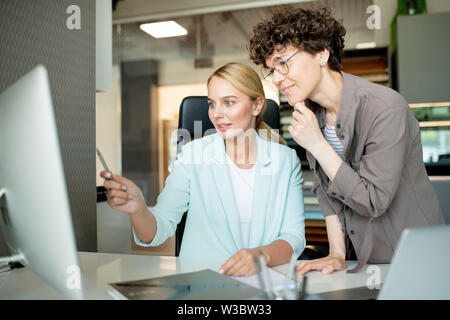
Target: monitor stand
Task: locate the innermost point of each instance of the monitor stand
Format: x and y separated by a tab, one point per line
10	262
10	266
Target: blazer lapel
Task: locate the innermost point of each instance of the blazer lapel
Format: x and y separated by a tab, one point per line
225	190
263	179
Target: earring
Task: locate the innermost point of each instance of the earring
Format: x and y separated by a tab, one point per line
323	62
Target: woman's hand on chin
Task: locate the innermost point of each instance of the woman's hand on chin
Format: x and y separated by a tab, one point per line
305	129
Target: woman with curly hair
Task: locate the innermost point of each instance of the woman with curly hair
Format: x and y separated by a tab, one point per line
362	141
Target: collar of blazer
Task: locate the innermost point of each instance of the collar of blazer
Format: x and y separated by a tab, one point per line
216	150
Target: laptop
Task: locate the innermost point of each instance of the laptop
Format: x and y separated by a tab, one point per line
419	270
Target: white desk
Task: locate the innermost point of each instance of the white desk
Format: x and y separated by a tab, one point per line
99	269
369	275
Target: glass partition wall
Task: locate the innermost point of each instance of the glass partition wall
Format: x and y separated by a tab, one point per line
164	70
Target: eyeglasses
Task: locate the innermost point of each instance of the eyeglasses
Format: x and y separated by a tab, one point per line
280	65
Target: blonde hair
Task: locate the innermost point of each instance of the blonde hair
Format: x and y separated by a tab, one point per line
247	80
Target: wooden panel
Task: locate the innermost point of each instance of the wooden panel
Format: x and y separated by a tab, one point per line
370	64
316	238
365	65
316	231
315	223
169	145
434	124
434	178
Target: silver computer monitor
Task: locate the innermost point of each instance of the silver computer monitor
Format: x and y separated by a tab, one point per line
34	206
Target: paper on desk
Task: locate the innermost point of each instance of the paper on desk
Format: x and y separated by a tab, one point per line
277	280
284	268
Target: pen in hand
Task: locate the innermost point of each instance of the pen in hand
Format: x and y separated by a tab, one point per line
105	166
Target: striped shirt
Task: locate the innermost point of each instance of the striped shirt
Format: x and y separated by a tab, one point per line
330	135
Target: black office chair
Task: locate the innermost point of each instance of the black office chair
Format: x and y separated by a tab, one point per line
195	108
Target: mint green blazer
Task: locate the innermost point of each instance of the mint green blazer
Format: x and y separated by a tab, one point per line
199	182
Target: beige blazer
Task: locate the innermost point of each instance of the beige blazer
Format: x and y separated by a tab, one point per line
382	187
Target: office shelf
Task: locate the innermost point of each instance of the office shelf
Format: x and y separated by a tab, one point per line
370	64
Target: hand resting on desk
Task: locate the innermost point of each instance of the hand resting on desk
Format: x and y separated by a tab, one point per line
241	263
327	265
335	261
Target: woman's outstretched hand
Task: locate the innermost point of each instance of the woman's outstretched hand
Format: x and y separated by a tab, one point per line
123	194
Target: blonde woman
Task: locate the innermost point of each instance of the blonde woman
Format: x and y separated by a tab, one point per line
241	186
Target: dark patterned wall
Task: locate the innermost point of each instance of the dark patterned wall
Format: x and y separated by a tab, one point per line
34	32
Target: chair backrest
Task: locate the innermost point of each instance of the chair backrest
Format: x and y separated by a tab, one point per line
194	119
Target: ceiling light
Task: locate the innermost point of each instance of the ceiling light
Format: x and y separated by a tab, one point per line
163	29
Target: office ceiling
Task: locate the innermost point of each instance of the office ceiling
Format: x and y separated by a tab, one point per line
221	33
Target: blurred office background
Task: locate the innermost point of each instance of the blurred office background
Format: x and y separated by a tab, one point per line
141	81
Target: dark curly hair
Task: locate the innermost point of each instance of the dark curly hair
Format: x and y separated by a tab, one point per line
309	30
